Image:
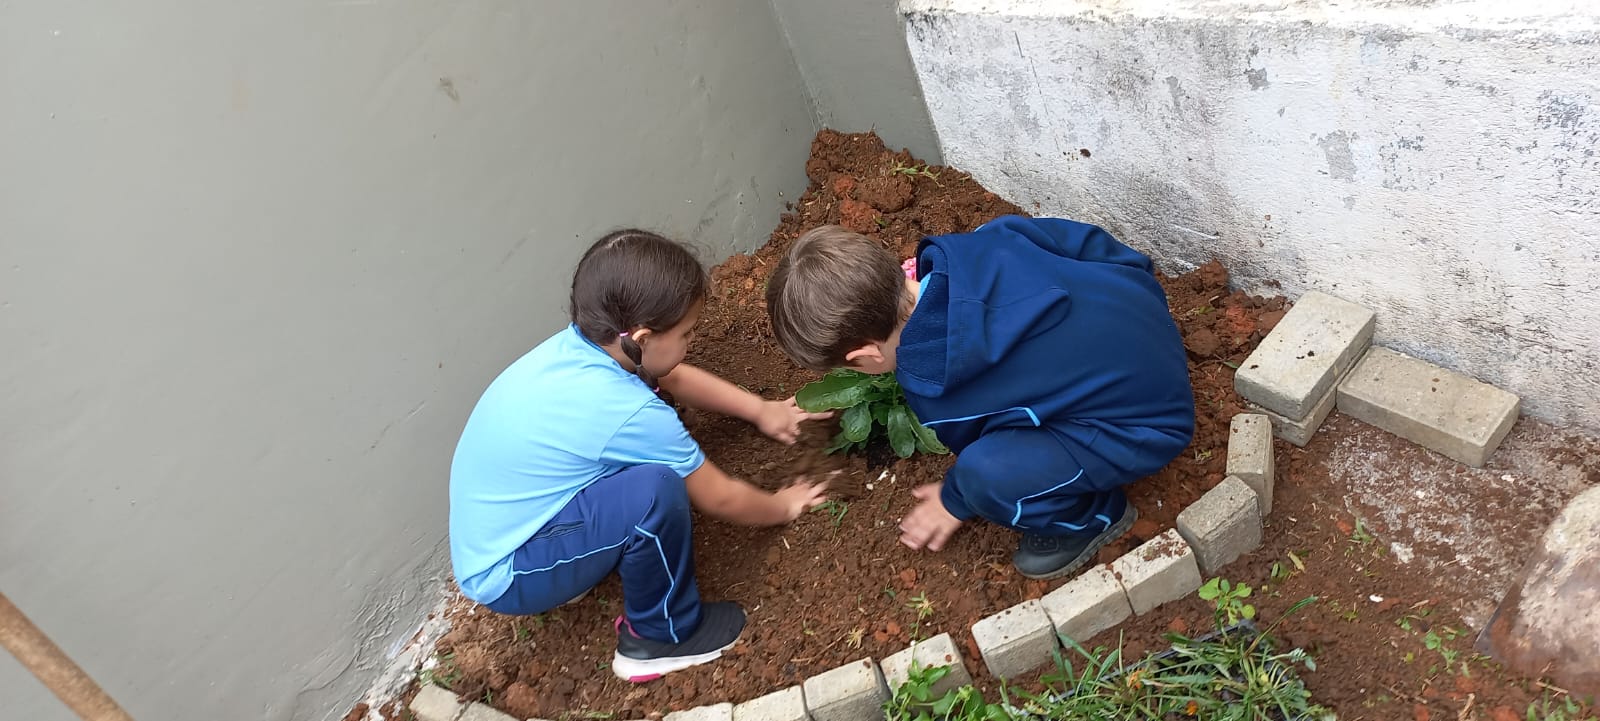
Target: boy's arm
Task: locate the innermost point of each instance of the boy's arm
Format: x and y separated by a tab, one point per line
700	389
717	494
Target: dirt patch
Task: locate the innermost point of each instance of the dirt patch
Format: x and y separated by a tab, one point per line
831	588
836	587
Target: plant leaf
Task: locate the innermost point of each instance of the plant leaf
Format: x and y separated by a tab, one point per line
927	440
902	437
856	423
838	389
840	443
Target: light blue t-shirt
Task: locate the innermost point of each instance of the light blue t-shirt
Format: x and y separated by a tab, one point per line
561	417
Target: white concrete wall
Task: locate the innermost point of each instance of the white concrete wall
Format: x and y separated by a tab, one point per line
259	260
852	55
1433	160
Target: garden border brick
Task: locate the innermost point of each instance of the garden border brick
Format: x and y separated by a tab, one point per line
1161	570
1222	525
852	692
1305	354
1250	456
1439	409
786	705
1093	602
1016	640
938	651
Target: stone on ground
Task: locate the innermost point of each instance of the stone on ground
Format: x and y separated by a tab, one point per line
1301	359
714	712
848	693
433	703
786	705
1547	625
1437	409
1087	605
1016	640
1223	525
931	653
1162	569
1250	455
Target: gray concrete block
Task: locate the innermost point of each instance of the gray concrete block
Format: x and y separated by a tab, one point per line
931	653
1087	605
433	703
1222	526
786	705
1300	360
1299	430
1016	640
1162	569
1250	456
715	712
852	692
1435	408
480	712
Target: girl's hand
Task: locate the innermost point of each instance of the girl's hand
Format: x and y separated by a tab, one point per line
801	497
780	420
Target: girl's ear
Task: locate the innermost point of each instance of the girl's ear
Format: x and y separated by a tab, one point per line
639	335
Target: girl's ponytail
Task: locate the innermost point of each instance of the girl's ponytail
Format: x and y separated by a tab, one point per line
634	279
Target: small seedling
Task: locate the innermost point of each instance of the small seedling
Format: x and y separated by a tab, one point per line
835	510
1202	310
1229	601
442	673
1202	456
921	605
855	637
520	632
882	221
913	171
890	592
1280	572
1361	536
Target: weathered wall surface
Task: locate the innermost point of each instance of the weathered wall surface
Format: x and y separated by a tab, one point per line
259	260
852	54
1432	160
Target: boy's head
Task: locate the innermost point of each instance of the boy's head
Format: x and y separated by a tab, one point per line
839	299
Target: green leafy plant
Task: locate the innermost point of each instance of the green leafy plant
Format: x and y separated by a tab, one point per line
914	700
873	406
1229	601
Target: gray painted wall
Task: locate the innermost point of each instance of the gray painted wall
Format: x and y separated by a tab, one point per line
852	54
259	259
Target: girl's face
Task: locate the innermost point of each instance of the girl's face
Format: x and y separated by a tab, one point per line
664	350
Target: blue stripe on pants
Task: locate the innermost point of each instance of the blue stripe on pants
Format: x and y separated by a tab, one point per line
635	522
1024	478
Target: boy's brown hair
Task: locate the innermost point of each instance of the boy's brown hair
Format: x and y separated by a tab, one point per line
833	292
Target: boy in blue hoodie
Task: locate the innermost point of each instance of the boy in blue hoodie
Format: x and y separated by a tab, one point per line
1040	350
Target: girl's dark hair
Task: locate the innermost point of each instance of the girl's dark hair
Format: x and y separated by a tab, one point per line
633	278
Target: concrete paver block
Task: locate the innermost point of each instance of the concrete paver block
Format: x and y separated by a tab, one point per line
714	712
1299	430
480	712
786	705
1016	640
931	653
1302	358
1087	605
433	703
1162	569
1223	525
1435	408
1250	456
852	692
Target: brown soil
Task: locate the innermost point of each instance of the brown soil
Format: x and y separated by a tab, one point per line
822	593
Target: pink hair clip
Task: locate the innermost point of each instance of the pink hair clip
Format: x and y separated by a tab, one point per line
910	267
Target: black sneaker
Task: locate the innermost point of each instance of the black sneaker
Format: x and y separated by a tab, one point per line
1046	557
639	659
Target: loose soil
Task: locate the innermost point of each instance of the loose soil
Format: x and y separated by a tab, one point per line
825	591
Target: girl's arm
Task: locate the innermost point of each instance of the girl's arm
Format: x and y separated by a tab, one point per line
717	494
700	389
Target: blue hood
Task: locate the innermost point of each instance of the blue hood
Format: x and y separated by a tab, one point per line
1047	323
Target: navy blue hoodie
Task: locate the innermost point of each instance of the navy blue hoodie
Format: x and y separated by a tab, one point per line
1031	322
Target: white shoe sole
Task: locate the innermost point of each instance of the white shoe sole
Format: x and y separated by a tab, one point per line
635	670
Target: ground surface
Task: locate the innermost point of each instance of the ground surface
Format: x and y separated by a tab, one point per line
827	589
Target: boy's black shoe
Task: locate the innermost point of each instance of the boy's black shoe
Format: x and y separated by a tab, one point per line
1045	557
640	659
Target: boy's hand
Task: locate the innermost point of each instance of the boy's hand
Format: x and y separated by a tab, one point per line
928	525
801	497
781	420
